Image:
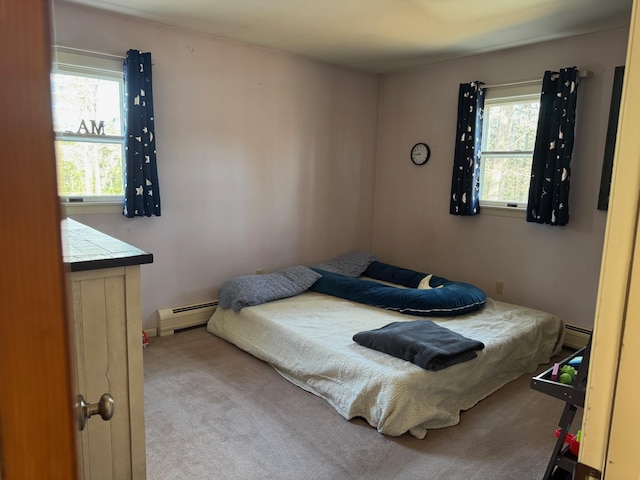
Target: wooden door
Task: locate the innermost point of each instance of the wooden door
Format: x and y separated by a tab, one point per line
623	460
610	389
37	436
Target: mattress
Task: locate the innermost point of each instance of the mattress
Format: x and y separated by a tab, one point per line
308	340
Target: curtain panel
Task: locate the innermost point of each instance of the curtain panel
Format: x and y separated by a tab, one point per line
142	194
551	166
465	182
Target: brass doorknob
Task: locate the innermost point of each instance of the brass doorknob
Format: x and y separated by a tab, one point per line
105	407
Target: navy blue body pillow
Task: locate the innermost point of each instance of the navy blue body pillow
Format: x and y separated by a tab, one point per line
453	298
401	276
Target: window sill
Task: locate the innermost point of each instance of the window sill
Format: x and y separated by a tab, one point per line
496	211
90	208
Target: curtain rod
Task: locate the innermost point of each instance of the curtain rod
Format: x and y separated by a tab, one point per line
90	52
581	74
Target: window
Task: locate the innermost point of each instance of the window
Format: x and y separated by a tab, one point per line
87	93
508	138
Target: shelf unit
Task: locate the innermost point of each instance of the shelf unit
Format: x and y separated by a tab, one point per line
573	395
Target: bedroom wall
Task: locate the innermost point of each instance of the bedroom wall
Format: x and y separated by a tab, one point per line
265	159
550	268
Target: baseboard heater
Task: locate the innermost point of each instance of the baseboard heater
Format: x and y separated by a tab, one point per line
575	337
186	316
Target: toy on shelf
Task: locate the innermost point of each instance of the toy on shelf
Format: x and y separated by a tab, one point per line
572	440
567	374
575	362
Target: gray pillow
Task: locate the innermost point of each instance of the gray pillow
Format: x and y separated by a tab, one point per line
257	289
350	264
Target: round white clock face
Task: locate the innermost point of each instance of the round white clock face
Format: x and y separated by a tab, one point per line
420	153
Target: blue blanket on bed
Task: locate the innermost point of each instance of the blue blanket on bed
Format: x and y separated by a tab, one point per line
421	342
445	298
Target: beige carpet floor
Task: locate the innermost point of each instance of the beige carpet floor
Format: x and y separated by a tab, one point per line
214	412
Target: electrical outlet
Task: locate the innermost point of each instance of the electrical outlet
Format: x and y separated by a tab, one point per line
259	271
499	287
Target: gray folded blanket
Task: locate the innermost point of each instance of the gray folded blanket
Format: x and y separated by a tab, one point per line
422	342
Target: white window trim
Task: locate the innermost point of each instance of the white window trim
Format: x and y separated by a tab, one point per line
503	211
91	64
91	208
504	94
86	63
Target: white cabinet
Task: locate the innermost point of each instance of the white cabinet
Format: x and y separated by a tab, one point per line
105	310
108	342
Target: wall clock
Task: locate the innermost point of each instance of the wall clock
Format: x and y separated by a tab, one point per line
420	153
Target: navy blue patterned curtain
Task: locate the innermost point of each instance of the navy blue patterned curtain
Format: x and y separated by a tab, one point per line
465	183
142	194
551	168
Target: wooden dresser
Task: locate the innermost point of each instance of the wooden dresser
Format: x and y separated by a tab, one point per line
104	287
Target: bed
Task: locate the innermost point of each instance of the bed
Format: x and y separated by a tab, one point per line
308	339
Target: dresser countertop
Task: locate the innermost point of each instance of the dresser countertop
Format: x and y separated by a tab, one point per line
85	248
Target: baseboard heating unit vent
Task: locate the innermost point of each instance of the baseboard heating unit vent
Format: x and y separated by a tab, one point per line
177	318
575	337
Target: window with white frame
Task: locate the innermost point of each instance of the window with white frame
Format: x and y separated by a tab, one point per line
508	137
87	92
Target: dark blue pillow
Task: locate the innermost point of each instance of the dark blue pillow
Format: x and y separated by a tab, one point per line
454	298
401	276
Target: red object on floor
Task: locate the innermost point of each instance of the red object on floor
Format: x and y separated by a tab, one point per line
572	440
145	339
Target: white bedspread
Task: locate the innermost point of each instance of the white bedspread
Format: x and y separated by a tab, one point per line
308	340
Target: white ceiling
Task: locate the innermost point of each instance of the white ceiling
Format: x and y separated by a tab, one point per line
381	35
